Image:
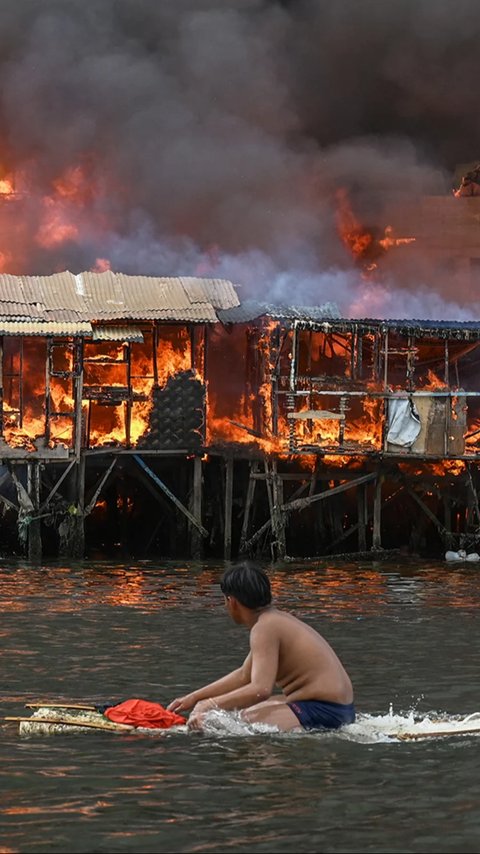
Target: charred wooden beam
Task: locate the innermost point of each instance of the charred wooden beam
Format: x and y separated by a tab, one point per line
249	430
106	394
170	494
301	503
443	531
57	486
103	480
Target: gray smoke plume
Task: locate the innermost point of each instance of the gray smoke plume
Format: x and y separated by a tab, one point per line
213	136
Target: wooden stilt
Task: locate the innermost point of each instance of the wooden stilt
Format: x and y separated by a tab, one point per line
248	506
78	540
196	541
377	514
362	517
227	531
447	520
268	485
34	531
278	519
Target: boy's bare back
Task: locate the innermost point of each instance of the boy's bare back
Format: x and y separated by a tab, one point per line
307	668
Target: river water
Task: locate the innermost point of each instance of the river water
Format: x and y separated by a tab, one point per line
97	632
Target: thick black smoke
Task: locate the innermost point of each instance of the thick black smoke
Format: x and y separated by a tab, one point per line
212	136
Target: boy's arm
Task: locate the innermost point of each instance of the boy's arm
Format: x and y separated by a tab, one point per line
226	684
265	647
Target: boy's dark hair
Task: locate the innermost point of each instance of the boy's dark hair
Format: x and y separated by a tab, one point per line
248	583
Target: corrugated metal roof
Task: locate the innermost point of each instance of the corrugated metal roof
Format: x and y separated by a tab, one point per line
117	333
40	327
327	314
251	310
84	297
460	329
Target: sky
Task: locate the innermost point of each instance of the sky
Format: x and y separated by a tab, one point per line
212	137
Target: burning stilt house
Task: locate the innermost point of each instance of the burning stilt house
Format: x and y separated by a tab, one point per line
384	413
257	429
100	373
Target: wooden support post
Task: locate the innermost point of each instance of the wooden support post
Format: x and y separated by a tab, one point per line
78	541
475	504
34	530
77	395
128	402
362	517
1	386
278	516
227	531
268	486
196	541
89	421
71	528
48	400
377	514
385	363
447	519
248	506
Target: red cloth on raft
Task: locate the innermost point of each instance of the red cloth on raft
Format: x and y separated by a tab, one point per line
143	713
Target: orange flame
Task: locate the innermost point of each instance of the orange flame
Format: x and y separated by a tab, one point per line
365	247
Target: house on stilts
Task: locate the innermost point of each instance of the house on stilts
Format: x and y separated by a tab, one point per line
162	417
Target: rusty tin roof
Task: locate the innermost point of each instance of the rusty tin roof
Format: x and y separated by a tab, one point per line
67	303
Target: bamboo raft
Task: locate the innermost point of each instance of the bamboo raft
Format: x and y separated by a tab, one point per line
58	718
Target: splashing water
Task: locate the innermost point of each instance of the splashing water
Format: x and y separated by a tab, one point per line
367	729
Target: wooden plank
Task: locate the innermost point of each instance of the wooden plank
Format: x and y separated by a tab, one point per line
411	736
47	704
316	415
108	726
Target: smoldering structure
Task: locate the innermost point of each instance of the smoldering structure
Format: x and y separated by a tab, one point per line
163	417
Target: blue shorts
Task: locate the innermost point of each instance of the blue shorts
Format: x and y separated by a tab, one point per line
318	714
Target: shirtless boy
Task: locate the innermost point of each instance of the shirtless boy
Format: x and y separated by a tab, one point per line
284	652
